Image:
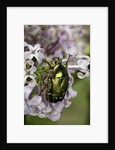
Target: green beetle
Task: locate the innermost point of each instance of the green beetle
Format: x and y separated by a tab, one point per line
57	81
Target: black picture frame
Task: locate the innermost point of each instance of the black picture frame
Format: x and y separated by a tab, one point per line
3	102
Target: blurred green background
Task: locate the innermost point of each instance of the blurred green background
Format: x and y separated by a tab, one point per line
79	111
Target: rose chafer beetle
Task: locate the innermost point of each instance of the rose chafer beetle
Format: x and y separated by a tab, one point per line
58	80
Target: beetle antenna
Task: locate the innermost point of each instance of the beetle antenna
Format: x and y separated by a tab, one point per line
67	60
46	61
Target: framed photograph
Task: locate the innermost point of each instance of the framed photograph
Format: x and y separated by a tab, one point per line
57	75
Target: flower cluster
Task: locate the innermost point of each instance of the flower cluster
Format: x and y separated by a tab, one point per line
48	42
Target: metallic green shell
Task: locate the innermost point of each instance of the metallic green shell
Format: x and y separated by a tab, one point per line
57	83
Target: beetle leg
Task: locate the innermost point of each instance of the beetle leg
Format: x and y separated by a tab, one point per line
49	88
49	81
42	90
49	84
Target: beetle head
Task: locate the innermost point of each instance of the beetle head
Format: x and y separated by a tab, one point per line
56	60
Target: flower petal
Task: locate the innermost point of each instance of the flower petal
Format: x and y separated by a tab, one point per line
34	111
30	62
42	115
42	106
33	69
27	55
83	64
31	48
67	103
48	109
72	51
36	47
35	101
83	75
26	108
58	53
28	65
39	57
29	78
27	91
58	106
72	93
54	116
71	80
32	83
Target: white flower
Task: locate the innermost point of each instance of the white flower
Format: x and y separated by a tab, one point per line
26	108
54	116
35	51
72	51
61	40
30	102
70	92
37	105
35	101
77	62
30	80
29	69
58	106
29	66
27	91
83	67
